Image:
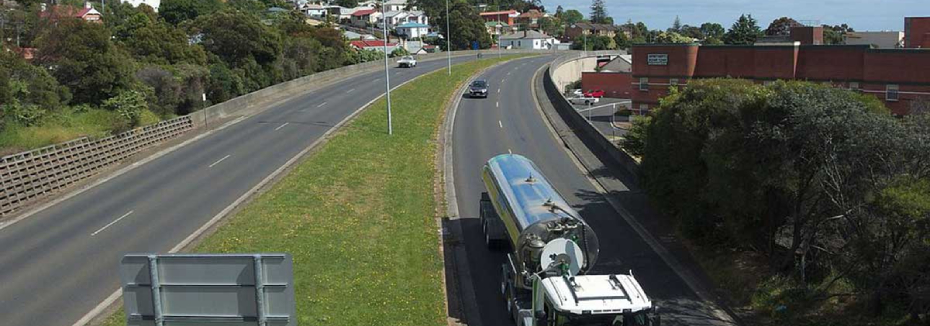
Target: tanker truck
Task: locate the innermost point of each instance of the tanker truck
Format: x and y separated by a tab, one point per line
549	249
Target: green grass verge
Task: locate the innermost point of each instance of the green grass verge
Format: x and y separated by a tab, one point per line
358	216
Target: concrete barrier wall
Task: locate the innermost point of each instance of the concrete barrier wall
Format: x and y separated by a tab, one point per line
31	175
564	68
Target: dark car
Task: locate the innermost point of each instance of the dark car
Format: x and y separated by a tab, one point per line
478	88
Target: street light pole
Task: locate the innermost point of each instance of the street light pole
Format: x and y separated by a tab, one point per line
500	33
387	75
448	39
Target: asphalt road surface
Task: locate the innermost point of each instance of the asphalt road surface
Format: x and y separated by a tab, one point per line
58	264
508	121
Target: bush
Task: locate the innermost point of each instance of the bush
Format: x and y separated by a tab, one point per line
129	105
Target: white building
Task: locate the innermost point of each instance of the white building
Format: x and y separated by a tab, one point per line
882	39
313	10
151	3
396	5
528	40
395	18
412	30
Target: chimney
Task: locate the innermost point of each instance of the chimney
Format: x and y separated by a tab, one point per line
88	5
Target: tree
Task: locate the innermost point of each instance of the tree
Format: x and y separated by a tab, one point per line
781	26
572	16
744	31
347	3
836	34
177	11
693	32
599	13
559	11
463	20
672	37
712	30
596	43
551	26
156	41
676	25
623	42
129	105
81	57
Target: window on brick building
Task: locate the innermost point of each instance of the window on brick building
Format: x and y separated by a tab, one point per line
854	86
891	93
643	109
644	84
673	82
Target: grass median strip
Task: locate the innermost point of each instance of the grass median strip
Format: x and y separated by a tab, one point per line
358	216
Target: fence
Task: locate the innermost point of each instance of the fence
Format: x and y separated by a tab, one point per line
29	175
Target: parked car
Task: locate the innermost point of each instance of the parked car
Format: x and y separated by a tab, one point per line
598	93
407	62
478	88
578	100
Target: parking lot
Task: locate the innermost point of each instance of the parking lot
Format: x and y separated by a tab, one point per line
601	116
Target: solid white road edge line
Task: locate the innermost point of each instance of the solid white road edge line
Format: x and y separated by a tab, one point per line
653	243
111	223
219	216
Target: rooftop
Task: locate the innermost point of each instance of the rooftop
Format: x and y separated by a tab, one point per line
364	12
530	35
370	43
597	27
496	13
600	294
412	25
533	13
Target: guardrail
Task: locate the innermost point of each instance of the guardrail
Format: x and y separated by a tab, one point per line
577	122
29	175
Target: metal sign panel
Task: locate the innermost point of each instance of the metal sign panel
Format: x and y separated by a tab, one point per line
214	289
657	59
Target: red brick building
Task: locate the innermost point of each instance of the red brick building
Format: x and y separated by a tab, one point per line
917	32
895	76
615	84
506	17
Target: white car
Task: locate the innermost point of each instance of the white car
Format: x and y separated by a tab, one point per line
407	62
578	100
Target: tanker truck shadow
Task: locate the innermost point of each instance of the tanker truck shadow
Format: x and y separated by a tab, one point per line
469	263
622	250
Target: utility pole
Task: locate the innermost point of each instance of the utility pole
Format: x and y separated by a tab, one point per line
387	75
500	33
448	39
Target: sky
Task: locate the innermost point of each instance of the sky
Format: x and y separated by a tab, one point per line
861	15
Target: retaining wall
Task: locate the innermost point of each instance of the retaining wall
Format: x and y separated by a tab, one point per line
563	69
30	175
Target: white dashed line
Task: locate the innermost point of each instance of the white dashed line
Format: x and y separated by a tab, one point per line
497	104
111	223
321	104
218	162
281	126
350	91
501	124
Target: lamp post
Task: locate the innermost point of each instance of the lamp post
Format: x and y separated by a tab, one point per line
448	39
387	75
500	33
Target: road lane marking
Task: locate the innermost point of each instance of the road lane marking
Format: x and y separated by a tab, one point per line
218	162
111	223
350	91
497	104
281	126
321	104
499	123
498	91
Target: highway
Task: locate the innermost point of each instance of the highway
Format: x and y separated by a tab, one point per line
508	121
60	263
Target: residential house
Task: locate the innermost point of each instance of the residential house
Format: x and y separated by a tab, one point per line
530	19
339	13
377	45
365	17
507	17
313	10
528	40
498	28
151	3
395	18
411	30
88	13
581	29
396	5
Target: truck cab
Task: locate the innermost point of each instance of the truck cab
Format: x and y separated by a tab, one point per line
609	300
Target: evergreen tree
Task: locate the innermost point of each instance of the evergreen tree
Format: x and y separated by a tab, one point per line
745	31
676	26
599	13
